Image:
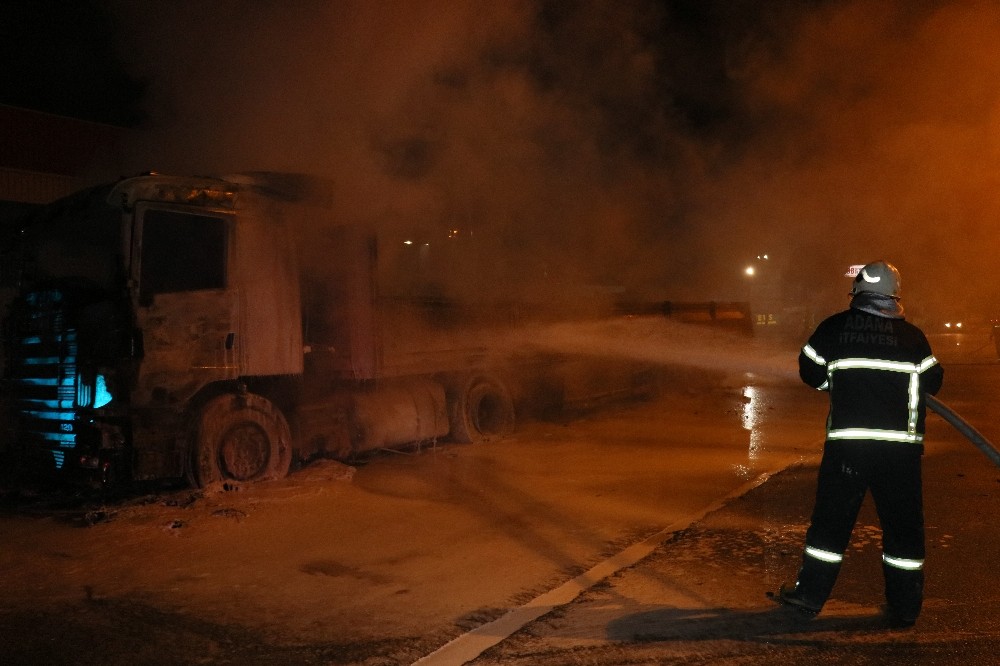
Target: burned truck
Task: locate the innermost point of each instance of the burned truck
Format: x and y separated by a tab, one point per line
220	330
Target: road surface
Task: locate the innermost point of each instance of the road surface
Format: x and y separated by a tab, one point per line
388	561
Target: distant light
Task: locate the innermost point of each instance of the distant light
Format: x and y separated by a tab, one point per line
750	270
407	242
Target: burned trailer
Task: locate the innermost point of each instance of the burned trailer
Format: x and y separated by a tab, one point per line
219	330
157	333
168	328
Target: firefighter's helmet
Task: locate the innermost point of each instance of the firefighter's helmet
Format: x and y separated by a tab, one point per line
878	277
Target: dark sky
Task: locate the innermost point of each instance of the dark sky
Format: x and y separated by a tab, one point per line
650	142
61	58
66	58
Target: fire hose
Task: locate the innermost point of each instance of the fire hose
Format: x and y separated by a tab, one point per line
963	427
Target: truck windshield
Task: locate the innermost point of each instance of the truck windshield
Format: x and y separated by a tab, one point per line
181	252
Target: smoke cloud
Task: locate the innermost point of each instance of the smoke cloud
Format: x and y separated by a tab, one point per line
656	145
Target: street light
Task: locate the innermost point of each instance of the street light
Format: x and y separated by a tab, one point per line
751	270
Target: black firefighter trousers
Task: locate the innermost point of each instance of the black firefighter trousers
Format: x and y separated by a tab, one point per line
848	470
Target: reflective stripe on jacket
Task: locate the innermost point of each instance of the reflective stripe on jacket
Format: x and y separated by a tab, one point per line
877	370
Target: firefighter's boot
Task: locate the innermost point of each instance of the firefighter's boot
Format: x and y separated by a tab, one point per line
813	587
790	596
904	594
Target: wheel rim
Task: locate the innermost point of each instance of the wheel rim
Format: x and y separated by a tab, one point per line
244	452
490	415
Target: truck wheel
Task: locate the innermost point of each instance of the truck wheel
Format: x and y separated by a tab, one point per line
240	438
480	409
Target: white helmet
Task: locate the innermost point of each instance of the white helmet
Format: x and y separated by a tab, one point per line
878	277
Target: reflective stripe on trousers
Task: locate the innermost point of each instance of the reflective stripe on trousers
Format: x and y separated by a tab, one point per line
903	563
824	555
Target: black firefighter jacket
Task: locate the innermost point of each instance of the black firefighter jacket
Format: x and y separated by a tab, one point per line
877	370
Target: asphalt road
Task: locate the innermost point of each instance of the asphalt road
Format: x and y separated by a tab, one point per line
414	551
700	598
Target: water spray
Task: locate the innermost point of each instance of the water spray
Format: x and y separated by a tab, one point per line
659	341
655	341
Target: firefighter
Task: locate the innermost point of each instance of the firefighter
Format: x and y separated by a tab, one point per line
876	368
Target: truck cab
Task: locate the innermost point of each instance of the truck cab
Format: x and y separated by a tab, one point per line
138	305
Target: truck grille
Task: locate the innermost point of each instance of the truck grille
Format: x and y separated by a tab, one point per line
44	378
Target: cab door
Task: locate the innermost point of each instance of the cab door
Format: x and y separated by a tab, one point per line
186	309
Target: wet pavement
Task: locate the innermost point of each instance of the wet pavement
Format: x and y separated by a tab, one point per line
700	598
387	563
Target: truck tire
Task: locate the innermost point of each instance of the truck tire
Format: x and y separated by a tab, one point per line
240	438
479	409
